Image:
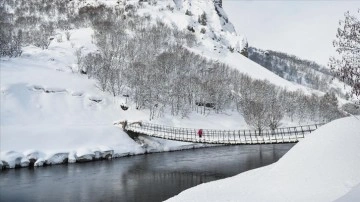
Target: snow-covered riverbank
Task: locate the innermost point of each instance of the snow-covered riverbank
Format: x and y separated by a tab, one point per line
322	167
120	147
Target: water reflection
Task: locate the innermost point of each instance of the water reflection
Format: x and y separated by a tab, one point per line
153	177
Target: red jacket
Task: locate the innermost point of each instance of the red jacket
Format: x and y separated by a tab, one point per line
200	132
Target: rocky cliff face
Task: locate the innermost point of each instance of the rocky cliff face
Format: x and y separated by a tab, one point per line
218	3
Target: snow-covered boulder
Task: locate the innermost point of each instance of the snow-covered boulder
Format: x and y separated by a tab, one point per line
57	158
33	156
72	157
84	155
107	154
85	158
13	159
40	162
4	165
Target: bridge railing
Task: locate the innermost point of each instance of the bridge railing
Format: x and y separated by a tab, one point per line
279	135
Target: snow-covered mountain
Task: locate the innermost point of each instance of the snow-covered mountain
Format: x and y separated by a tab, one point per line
220	42
66	66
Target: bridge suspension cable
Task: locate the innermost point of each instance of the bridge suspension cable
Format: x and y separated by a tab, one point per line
227	137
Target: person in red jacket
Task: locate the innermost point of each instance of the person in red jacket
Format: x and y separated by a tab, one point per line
200	132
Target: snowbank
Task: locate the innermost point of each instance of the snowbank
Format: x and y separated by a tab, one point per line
322	167
353	195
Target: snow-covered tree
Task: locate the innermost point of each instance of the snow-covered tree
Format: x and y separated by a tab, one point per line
347	44
274	110
329	107
245	51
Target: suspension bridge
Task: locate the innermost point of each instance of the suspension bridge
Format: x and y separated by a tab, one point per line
226	137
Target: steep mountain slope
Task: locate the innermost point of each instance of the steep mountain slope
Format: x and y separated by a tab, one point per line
220	41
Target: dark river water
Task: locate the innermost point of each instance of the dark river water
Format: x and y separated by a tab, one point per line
152	177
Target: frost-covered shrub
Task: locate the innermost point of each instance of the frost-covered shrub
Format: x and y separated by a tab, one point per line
43	36
351	108
59	38
329	107
10	43
129	7
67	35
231	49
202	19
190	28
170	8
152	2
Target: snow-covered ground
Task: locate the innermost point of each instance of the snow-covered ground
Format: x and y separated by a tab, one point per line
323	167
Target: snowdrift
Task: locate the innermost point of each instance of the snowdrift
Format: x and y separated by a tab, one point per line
322	167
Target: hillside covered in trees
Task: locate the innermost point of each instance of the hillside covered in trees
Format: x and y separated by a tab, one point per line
152	63
295	69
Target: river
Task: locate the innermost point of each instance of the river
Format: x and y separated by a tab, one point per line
151	177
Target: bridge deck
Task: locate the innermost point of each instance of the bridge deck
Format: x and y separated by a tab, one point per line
229	137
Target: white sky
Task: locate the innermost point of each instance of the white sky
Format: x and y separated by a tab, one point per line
301	27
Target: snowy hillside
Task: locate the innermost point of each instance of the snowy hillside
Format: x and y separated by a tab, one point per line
78	59
297	70
323	167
